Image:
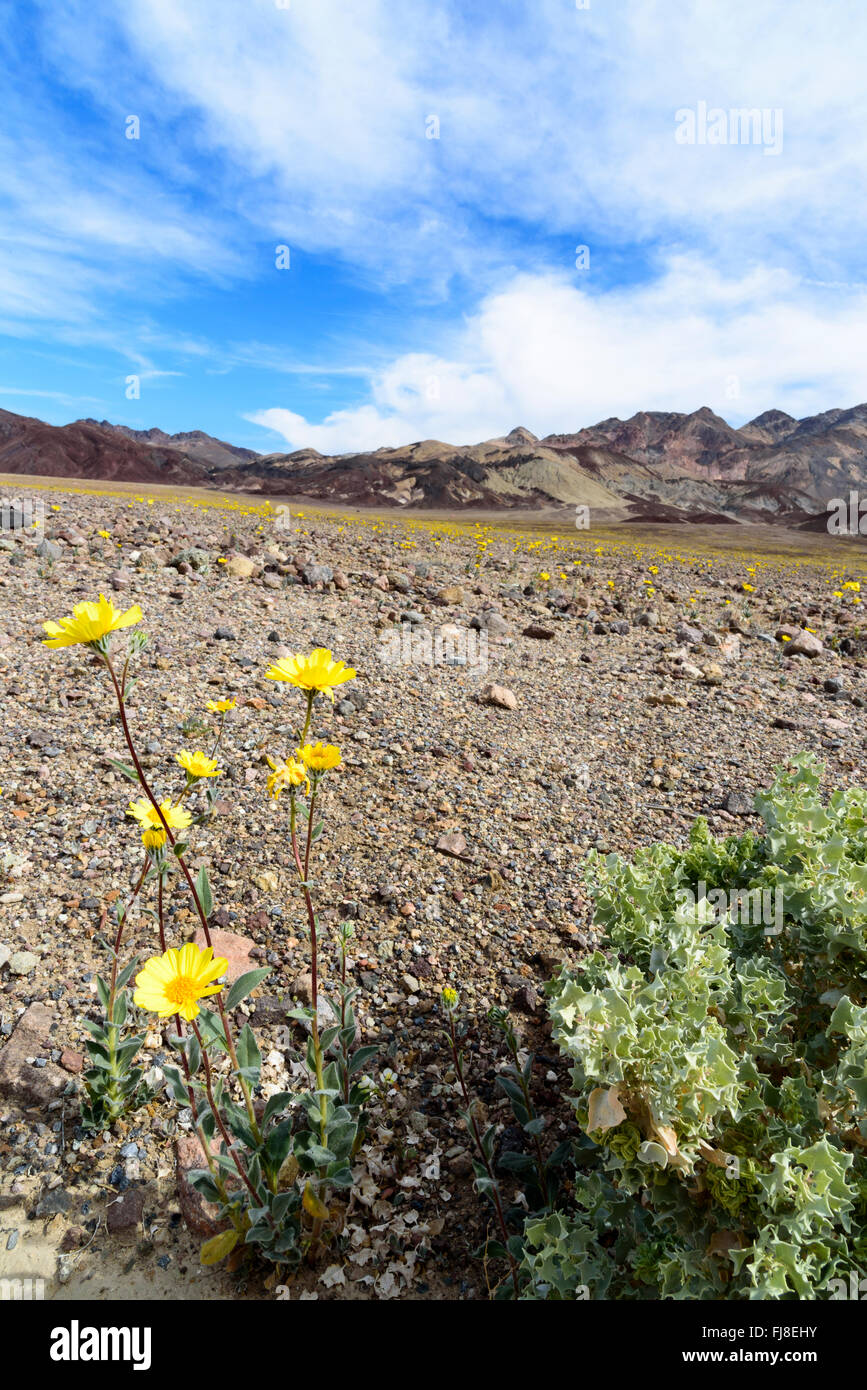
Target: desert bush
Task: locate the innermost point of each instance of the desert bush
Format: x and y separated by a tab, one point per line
720	1065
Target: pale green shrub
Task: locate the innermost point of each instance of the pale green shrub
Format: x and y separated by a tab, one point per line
720	1067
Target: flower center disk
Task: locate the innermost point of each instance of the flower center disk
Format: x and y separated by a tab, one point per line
182	990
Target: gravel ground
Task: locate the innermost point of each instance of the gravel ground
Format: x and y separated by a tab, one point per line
642	689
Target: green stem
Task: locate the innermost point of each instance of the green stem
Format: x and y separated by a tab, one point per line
219	734
111	1028
539	1156
343	1047
311	915
314	971
311	696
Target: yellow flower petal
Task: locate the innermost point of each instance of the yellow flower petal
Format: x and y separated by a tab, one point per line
318	671
90	622
198	764
174	982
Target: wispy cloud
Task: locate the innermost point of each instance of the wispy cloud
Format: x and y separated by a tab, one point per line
554	127
63	397
563	120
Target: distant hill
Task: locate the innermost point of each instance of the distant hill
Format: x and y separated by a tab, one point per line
87	450
656	466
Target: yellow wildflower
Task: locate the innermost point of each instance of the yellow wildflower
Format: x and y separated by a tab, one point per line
318	671
221	706
290	774
145	813
174	982
89	623
320	757
198	765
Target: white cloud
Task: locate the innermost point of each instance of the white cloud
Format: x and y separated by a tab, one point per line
545	354
557	126
563	119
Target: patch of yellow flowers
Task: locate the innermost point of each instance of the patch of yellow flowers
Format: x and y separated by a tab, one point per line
173	982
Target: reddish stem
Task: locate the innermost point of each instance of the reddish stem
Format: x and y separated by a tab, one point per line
190	884
221	1125
119	934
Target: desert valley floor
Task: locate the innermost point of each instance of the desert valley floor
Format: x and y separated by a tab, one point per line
600	689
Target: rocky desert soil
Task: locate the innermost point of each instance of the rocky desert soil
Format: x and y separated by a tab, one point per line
595	691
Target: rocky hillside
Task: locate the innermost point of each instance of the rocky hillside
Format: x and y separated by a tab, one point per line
87	450
195	444
656	466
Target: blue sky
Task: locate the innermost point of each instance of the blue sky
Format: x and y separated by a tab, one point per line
432	289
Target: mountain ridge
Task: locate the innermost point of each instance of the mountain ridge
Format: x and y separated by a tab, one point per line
655	465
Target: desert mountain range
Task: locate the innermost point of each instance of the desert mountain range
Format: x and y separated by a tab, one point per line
656	466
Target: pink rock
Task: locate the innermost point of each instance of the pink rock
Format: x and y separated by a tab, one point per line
805	644
235	948
454	844
730	647
201	1217
19	1078
302	987
500	695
